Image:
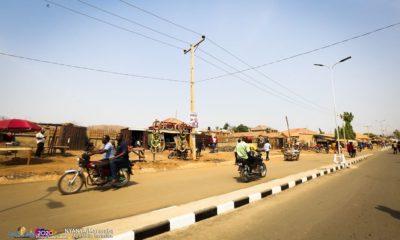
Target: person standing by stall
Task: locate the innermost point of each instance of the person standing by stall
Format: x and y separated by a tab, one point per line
40	138
394	146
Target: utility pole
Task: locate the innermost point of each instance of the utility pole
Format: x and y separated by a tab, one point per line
288	129
192	140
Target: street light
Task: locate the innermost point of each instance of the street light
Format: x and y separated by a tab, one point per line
341	156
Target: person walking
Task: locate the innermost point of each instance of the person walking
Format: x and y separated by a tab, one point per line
267	148
398	145
40	138
394	146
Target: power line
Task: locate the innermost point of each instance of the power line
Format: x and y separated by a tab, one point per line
91	69
307	52
265	76
272	91
159	17
265	90
133	22
214	43
113	25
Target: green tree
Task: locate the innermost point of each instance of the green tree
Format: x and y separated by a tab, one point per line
371	135
226	126
241	128
348	128
396	133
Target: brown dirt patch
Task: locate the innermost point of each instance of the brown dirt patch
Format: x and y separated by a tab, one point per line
14	168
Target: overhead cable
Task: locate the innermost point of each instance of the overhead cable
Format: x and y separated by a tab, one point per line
133	22
222	48
266	90
91	69
307	52
113	25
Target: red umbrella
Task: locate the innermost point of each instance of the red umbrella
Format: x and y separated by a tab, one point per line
18	125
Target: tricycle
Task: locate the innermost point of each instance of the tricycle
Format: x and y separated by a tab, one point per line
291	154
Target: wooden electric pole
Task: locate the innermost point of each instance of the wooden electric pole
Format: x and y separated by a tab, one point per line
192	49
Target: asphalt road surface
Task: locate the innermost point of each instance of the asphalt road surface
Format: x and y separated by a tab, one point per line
40	205
362	202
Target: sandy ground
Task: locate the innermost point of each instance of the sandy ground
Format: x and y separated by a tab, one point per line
13	169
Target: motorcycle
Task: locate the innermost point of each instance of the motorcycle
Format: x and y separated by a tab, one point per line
251	167
321	148
353	153
179	153
73	180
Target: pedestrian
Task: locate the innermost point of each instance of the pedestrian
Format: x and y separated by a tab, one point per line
214	142
267	148
394	146
40	138
199	147
398	145
9	138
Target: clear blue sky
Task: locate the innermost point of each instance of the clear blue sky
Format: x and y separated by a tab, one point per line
258	32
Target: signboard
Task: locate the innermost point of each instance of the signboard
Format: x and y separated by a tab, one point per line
193	120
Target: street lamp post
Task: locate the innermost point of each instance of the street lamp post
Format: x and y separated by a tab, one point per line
341	156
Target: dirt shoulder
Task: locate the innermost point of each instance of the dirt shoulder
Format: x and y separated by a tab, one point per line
13	169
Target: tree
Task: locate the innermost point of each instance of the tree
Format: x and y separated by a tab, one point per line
371	135
348	128
226	126
396	133
241	128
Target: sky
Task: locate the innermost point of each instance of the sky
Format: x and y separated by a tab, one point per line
250	69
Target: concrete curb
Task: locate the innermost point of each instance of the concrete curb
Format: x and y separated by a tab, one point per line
161	221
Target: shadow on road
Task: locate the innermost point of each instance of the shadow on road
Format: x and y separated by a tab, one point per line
22	161
104	188
392	212
51	204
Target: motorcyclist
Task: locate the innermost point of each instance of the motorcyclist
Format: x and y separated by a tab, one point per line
107	151
350	149
242	150
121	157
247	152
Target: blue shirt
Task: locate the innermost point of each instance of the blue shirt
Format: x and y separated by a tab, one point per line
109	151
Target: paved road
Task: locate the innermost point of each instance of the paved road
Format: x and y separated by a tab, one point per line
40	204
358	203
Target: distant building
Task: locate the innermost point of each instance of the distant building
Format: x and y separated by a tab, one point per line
263	128
302	135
